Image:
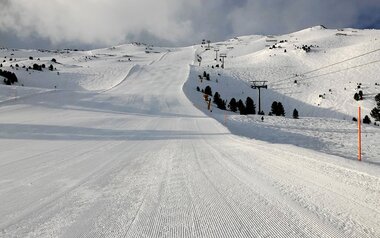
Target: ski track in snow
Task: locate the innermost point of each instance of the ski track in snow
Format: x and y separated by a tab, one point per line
139	160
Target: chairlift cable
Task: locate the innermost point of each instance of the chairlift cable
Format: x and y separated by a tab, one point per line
327	66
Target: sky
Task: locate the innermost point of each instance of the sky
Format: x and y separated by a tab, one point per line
88	24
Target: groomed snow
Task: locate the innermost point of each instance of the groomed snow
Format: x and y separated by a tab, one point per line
114	147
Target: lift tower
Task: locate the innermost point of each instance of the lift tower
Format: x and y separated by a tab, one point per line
223	56
216	52
259	85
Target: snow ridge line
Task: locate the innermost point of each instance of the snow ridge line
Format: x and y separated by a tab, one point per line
134	69
161	58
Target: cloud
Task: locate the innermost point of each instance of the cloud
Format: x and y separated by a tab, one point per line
171	22
280	16
94	21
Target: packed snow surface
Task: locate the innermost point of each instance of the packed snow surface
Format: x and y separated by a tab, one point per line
117	142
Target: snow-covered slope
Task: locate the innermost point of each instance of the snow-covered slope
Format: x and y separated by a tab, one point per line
113	147
339	60
320	84
99	69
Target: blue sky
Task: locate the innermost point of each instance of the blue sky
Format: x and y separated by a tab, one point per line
98	23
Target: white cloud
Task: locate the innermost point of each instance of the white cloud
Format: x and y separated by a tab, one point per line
108	22
97	21
281	16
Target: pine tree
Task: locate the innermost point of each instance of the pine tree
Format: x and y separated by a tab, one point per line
10	77
241	107
375	113
295	114
216	98
250	106
223	105
356	97
219	101
37	67
274	108
208	90
377	99
361	95
280	110
232	105
366	120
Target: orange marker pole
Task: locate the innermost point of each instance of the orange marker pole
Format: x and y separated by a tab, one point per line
359	135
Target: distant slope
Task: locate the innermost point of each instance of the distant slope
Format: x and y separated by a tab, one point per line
316	71
338	61
99	69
